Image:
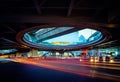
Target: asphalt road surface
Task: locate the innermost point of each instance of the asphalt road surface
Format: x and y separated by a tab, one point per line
22	70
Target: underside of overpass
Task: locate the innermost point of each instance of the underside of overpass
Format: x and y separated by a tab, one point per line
20	16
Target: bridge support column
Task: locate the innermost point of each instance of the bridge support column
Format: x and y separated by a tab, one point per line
98	52
34	53
18	54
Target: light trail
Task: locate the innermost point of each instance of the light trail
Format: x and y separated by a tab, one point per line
72	68
87	65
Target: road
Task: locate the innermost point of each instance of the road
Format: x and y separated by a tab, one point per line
70	70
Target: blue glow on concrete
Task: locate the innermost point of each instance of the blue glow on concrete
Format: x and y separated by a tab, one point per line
7	51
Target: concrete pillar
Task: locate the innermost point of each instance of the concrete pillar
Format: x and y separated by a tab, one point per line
98	52
34	53
18	54
93	52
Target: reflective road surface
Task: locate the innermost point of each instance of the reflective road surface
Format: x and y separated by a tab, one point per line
62	70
